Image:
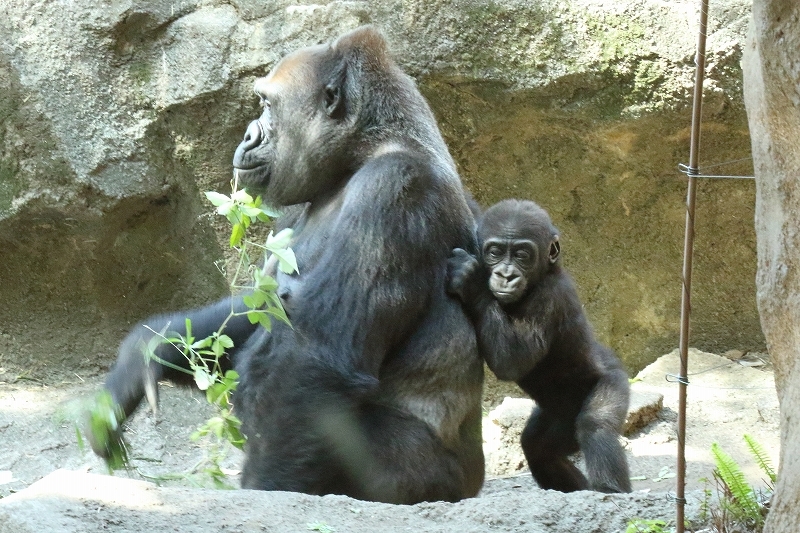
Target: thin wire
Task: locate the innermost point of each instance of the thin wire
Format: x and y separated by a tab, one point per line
709	387
671	496
673	378
676	379
695	173
731	162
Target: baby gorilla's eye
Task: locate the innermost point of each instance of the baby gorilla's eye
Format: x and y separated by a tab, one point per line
522	255
494	251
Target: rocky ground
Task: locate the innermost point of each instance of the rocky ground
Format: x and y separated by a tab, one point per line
728	397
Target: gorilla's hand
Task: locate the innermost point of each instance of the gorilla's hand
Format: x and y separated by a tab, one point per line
464	276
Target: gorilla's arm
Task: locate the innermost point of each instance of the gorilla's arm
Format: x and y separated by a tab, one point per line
133	375
381	231
511	346
386	233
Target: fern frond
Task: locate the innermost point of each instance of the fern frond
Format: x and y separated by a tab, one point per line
743	499
762	459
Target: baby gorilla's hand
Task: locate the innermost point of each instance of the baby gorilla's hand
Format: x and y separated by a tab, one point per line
463	271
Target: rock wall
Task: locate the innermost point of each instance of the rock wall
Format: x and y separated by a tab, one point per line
114	117
772	91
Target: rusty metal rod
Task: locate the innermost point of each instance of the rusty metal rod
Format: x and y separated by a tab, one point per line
688	251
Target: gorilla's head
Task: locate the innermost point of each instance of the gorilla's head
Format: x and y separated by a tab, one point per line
326	108
519	244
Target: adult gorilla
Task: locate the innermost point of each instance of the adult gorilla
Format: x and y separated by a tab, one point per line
375	390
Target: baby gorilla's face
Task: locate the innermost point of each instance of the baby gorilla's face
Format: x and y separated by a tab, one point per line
511	263
519	248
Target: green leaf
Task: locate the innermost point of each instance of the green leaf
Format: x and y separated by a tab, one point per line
264	282
215	392
228	209
274	300
217	348
279	241
217	199
269	211
264	320
225	341
187	323
202	343
321	527
279	313
233	431
743	501
216	425
241	196
233	217
237	235
203	379
761	457
102	427
251	212
255	300
231	379
641	525
287	262
254	316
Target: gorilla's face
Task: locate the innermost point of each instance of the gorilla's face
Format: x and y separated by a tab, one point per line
302	146
519	245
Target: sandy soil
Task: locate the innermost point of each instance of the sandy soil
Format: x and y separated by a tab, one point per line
726	400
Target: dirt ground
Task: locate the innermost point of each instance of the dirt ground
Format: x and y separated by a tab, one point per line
726	400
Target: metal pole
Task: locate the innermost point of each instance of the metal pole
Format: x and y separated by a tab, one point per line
688	249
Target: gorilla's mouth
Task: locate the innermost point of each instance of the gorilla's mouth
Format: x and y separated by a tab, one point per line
251	176
505	296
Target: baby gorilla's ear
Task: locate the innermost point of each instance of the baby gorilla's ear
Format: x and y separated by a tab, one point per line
555	249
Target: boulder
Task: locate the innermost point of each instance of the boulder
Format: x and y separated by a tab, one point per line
772	96
115	117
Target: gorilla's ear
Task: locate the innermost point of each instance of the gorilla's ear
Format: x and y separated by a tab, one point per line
366	38
555	249
333	97
334	104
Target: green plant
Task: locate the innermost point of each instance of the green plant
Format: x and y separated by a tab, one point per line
643	525
741	507
705	503
322	527
762	460
102	418
101	422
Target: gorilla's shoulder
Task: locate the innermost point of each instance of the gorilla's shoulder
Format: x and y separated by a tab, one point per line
400	176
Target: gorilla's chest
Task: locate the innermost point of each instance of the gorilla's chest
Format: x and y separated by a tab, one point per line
322	270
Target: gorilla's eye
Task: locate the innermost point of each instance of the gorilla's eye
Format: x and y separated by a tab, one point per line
522	255
494	252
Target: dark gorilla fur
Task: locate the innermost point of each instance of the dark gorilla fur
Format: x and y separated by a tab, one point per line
532	330
375	391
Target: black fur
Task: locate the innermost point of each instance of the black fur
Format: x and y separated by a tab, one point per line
532	330
375	391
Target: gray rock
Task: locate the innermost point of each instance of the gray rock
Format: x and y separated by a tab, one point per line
503	426
74	502
643	409
772	77
115	117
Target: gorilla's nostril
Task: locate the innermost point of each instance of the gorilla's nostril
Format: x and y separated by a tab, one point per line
253	135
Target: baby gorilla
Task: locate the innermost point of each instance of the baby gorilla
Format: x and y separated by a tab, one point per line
532	330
